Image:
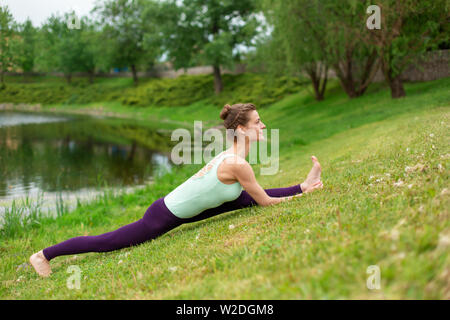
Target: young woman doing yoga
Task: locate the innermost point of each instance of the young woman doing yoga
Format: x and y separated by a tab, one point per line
215	189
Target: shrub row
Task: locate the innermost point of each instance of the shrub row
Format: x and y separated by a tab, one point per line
260	89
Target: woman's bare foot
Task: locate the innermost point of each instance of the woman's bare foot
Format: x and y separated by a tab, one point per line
313	179
40	264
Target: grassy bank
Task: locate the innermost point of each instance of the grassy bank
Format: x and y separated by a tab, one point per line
184	90
384	203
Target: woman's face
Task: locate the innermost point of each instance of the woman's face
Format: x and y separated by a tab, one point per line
254	127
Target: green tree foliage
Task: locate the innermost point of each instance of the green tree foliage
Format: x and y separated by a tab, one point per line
208	32
26	49
318	35
408	29
355	62
7	38
297	44
65	49
130	31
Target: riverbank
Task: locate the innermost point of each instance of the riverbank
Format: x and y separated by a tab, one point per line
384	203
96	110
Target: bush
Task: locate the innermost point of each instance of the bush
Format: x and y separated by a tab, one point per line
260	89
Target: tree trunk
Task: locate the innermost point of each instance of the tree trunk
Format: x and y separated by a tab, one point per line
318	75
396	85
318	93
135	78
69	78
353	83
218	85
349	89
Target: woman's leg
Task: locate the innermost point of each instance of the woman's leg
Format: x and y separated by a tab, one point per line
244	201
156	221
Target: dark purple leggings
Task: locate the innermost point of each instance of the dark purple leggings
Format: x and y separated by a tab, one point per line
156	221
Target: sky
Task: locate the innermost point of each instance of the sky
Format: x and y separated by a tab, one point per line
39	10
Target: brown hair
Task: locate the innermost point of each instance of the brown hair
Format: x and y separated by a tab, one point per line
235	115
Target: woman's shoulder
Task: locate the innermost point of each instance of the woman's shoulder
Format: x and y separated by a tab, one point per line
232	158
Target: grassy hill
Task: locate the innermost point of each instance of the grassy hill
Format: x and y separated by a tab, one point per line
385	203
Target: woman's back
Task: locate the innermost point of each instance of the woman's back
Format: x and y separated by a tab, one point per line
202	191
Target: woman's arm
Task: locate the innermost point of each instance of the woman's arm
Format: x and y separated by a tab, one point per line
246	177
245	200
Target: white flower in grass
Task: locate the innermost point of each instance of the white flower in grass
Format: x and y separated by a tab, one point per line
410	186
172	269
124	255
399	183
231	226
394	234
120	261
431	135
444	241
371	177
400	255
417	167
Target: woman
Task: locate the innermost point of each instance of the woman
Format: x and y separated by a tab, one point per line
215	189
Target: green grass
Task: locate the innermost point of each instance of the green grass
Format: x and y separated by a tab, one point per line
263	89
385	202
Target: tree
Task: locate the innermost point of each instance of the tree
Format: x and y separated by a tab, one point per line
319	35
65	49
128	31
91	56
299	37
6	39
26	49
355	62
408	29
208	32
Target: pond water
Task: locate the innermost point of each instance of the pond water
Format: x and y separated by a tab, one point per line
47	155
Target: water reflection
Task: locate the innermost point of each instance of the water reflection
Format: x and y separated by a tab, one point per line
14	119
73	154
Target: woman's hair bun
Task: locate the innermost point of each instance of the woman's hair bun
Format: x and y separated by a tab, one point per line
225	111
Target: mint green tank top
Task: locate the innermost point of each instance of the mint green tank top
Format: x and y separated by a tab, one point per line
202	191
